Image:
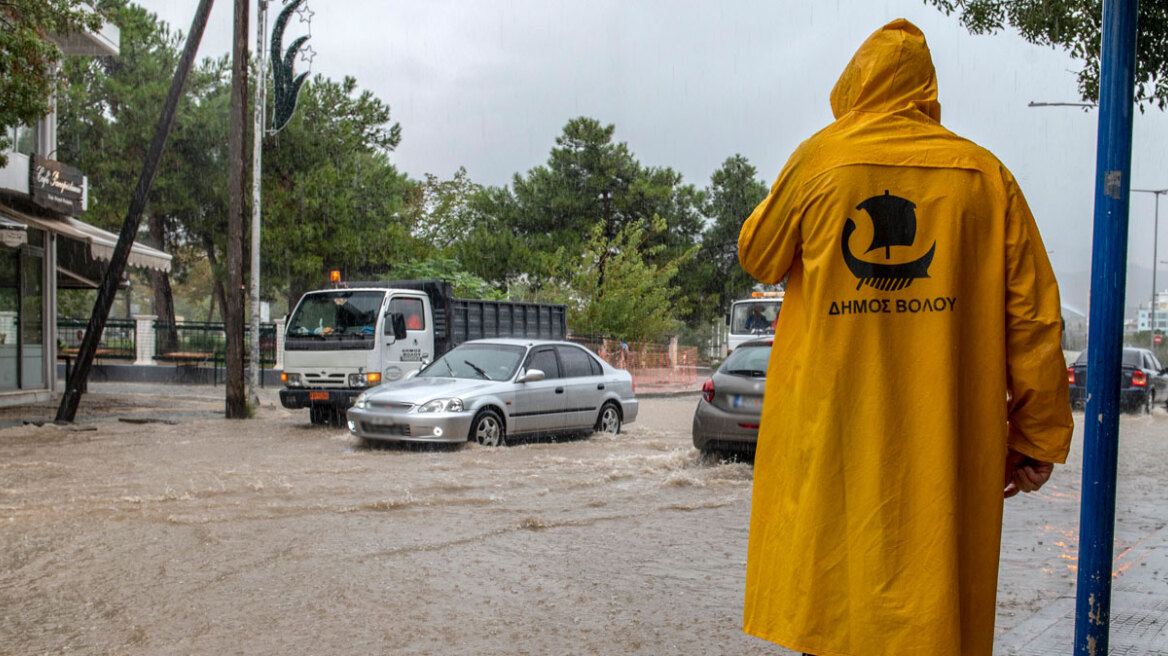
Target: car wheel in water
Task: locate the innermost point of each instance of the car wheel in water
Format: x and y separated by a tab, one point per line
487	429
1149	401
609	420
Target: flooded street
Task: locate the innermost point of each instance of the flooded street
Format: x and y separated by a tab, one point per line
183	533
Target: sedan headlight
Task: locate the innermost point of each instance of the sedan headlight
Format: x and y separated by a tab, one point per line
362	401
442	405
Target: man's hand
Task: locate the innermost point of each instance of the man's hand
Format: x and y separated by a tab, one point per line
1025	474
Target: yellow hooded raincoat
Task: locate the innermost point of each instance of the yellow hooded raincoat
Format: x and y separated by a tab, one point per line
919	300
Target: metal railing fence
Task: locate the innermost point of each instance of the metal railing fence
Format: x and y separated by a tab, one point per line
202	343
118	340
650	363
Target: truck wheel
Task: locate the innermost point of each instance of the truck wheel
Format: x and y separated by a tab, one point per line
317	415
337	418
487	429
609	420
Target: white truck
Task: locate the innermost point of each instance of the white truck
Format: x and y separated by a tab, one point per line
753	318
347	338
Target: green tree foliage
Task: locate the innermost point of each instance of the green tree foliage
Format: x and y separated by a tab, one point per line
733	194
441	211
332	199
108	110
463	284
631	298
1076	26
591	188
28	56
110	107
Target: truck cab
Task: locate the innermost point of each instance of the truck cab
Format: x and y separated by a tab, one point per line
754	317
341	341
349	337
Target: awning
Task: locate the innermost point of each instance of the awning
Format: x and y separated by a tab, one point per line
101	242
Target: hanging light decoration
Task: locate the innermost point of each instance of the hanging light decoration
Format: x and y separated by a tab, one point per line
285	83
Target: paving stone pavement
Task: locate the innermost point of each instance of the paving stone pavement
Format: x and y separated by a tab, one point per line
1139	611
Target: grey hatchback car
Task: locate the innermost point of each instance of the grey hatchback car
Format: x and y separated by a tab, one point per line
730	409
486	391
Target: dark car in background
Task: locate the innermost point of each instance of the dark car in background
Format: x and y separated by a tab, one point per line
728	413
1143	381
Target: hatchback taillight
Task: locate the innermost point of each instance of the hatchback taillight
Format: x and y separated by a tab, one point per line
708	390
1071	375
1139	379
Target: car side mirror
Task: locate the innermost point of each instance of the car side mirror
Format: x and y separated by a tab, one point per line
530	376
410	374
395	324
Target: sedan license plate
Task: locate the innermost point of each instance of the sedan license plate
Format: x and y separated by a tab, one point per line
747	402
318	396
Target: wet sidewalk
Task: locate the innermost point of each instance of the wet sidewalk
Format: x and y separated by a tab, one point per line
1139	610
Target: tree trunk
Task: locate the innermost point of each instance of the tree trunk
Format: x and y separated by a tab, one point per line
217	292
163	295
236	402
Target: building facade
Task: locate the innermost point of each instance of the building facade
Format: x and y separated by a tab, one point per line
1144	315
44	246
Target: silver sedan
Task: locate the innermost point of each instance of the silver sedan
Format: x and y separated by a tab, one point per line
486	391
730	409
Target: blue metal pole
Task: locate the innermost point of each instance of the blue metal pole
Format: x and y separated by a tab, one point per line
1105	335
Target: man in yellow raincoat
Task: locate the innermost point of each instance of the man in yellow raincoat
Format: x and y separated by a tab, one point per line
917	358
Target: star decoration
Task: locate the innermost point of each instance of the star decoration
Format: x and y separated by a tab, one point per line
307	54
306	14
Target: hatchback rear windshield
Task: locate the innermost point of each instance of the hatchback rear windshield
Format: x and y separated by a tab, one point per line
1131	358
747	360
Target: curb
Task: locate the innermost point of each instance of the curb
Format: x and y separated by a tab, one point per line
667	394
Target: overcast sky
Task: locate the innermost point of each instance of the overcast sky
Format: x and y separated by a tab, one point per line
489	84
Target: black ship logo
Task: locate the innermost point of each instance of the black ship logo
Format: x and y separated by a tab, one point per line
894	223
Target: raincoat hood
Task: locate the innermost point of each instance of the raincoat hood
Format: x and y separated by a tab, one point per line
891	71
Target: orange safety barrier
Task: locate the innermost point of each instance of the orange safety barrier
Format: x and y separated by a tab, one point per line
651	364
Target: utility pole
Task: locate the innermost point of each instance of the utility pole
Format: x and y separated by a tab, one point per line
1105	336
1155	260
257	147
108	290
236	402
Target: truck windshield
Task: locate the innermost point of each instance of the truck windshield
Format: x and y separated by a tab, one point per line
754	318
336	313
481	361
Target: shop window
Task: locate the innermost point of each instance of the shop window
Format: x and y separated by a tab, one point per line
22	315
32	312
22	139
9	317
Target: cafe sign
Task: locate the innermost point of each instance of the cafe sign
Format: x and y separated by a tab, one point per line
56	186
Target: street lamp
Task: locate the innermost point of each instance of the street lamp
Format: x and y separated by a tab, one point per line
1062	104
1155	260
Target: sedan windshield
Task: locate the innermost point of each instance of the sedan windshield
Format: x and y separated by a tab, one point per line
480	361
747	360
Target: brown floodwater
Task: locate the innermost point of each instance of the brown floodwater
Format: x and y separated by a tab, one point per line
185	533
